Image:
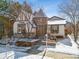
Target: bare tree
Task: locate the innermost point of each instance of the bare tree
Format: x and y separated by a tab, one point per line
29	23
14	10
71	10
27	11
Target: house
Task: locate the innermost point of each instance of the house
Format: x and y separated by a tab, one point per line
35	23
55	26
38	24
23	25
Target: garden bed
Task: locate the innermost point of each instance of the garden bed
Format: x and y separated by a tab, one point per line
27	43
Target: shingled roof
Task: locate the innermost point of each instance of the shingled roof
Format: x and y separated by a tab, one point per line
56	18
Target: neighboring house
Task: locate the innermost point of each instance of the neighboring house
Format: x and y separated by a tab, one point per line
68	28
56	26
5	27
23	24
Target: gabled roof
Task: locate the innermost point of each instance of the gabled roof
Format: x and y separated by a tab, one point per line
31	19
56	21
26	18
40	20
56	18
39	13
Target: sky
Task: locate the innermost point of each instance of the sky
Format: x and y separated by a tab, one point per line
50	7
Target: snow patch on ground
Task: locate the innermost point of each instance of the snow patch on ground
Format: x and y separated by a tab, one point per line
34	57
65	49
5	53
13	52
20	55
62	48
21	49
14	48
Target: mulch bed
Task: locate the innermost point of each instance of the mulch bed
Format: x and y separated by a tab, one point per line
26	43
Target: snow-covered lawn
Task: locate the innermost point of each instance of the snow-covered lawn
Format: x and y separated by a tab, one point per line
12	52
20	55
7	54
64	47
34	57
14	48
21	49
15	52
61	48
67	46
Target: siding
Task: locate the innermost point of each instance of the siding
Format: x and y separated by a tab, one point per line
61	30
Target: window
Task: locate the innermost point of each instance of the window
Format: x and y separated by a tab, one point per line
21	28
54	28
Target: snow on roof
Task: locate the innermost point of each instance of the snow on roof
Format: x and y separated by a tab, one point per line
56	22
56	18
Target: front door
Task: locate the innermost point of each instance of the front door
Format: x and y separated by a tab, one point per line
41	30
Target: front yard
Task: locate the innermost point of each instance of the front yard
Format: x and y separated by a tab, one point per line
64	51
35	51
57	55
